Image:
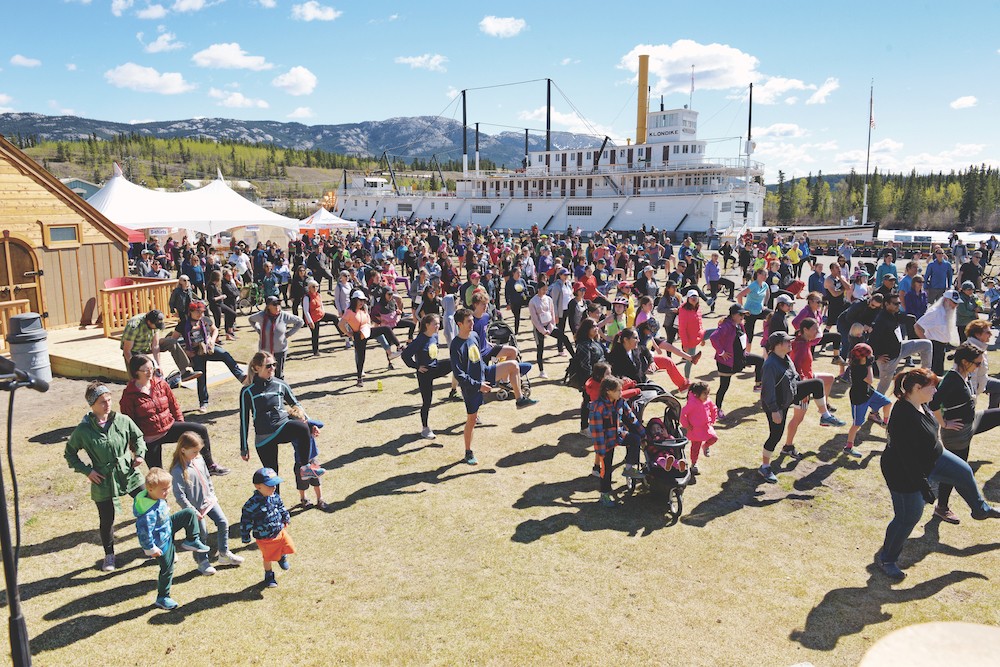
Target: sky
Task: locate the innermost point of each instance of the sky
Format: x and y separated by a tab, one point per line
934	69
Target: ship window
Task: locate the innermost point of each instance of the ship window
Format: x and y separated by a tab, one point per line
588	155
621	152
579	210
604	154
726	207
405	208
446	206
366	203
661	181
652	207
685	150
534	184
677	149
355	202
645	182
687	181
670	182
529	208
614	207
482	209
432	206
579	183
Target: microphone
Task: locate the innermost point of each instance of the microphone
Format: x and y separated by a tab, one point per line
30	381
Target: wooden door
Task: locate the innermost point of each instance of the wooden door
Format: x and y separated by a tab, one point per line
19	274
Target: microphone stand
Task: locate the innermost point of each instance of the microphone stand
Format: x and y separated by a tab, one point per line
20	652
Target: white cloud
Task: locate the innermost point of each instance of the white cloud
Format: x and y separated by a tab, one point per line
118	7
774	88
82	2
165	42
780	130
452	92
63	111
140	121
189	5
235	100
717	66
147	80
790	101
819	97
152	12
965	102
434	63
302	112
24	61
4	101
888	155
70	67
313	11
393	17
229	56
296	81
267	4
569	122
495	26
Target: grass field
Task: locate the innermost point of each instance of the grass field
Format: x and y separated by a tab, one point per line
425	560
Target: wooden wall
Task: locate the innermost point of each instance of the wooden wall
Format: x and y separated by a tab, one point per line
73	275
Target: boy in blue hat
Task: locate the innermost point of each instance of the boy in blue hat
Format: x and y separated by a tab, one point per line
265	517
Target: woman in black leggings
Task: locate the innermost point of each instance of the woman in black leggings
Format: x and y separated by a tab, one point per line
730	341
422	356
262	405
782	387
360	322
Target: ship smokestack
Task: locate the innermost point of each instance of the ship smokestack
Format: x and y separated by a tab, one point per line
643	103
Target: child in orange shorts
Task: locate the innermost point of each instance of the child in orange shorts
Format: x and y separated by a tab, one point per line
265	517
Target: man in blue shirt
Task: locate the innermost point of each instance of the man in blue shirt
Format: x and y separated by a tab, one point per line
937	277
476	379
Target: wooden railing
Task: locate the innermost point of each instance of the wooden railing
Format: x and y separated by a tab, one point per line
8	309
120	304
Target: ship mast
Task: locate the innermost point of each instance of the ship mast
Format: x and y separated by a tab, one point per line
868	153
642	105
465	140
749	148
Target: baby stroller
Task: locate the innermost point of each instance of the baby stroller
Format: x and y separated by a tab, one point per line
500	333
667	484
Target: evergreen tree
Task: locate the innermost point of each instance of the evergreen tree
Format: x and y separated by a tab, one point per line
876	198
970	196
784	201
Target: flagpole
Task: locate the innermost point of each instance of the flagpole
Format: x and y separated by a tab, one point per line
868	152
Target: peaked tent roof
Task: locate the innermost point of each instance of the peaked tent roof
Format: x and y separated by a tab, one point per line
37	173
323	219
212	209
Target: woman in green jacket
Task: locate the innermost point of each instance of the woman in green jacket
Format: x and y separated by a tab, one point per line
114	447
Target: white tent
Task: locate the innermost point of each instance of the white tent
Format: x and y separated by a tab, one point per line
323	219
212	209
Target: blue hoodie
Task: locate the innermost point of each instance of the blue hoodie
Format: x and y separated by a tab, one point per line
152	524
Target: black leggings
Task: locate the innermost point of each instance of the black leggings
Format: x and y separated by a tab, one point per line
714	285
750	323
516	310
585	411
297	433
726	375
154	452
106	512
805	388
540	344
327	317
361	345
425	381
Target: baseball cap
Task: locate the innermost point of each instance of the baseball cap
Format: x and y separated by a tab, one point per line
196	305
968	284
691	293
624	284
784	298
648	267
473	275
953	295
562	272
155	317
888	276
272	301
266	476
778	337
737	309
358	294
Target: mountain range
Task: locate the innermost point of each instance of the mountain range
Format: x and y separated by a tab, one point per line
405	137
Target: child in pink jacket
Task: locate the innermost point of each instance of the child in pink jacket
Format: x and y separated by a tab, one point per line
697	417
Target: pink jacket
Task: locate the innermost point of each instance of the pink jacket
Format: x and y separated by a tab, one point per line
689	327
697	419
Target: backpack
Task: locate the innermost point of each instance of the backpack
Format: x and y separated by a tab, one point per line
575	376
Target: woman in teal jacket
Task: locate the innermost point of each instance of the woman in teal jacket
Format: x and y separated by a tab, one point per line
115	449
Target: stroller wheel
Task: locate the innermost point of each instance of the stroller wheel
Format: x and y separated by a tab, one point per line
502	394
526	388
630	486
675	505
243	306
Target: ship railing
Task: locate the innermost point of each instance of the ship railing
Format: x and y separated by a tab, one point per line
635	168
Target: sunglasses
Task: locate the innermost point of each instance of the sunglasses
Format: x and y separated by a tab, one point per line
270	365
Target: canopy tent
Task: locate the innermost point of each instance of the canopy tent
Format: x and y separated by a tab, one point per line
210	210
323	219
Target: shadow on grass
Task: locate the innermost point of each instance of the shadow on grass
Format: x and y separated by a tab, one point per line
400	484
736	417
638	515
741	489
178	615
569	443
545	420
70	540
991	488
831	457
55	437
395	412
848	611
392	448
81	627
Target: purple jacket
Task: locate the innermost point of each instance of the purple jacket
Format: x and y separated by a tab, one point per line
723	339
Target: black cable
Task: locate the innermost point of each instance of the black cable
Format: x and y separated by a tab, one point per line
13	477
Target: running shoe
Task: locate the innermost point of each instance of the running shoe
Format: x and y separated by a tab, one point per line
109	563
470	458
891	570
767	474
195	545
595	472
427	433
190	374
218	471
229	558
606	500
756	388
269	580
165	603
830	420
543	375
585	432
284	564
631	472
206	568
706	452
525	402
946	515
791	453
853	451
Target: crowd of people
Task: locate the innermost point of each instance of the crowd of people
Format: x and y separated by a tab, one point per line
622	308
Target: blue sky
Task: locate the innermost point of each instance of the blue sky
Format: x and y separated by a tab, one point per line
935	68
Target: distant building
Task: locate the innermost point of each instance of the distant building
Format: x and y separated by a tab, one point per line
81	187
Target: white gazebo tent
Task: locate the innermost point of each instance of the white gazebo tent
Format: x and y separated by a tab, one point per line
323	219
209	210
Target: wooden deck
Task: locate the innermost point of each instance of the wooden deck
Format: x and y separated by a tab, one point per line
84	353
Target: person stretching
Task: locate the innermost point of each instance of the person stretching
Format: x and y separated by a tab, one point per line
476	379
422	356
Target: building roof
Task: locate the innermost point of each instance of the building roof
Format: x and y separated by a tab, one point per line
28	167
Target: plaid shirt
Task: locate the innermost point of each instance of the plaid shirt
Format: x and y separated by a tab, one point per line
264	517
137	331
611	422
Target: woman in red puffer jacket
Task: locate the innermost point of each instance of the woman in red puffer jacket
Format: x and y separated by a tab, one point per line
151	404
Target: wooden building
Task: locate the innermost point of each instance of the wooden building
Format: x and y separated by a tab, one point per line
56	250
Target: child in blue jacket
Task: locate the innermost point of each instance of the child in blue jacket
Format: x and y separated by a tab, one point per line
155	526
